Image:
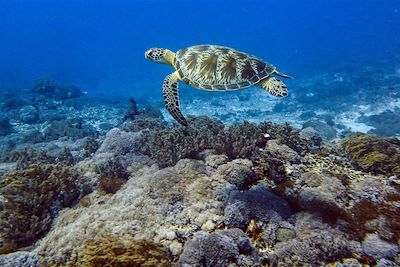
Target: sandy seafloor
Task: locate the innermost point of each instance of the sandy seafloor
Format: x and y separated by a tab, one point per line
89	181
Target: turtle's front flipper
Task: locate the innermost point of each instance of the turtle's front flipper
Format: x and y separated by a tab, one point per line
171	97
274	86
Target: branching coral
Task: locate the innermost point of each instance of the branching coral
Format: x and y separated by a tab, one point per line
167	145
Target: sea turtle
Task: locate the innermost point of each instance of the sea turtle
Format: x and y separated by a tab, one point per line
213	68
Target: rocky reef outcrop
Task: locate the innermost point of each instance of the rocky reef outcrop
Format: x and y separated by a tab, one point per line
153	194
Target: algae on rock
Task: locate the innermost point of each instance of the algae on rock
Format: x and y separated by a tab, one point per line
110	251
374	154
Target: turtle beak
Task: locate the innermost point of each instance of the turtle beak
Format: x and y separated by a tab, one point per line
147	54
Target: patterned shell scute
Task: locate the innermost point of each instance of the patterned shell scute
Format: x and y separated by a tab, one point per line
213	67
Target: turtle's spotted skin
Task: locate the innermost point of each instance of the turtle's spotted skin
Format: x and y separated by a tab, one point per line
214	68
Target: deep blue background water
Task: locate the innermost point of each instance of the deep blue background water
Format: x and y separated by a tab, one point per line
99	44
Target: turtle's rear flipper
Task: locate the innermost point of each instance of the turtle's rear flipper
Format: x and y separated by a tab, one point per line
274	86
171	98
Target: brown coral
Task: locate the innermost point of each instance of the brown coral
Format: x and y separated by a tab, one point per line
374	154
111	251
30	199
167	145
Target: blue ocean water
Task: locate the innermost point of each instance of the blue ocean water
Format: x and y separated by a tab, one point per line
99	45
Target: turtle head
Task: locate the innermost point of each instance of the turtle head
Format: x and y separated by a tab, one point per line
156	54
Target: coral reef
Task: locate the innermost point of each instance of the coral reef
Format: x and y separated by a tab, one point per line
166	145
240	174
70	128
222	248
326	131
31	199
315	244
374	154
119	142
164	206
258	204
10	100
23	259
245	194
109	250
5	126
90	145
386	123
28	114
112	175
132	110
375	247
52	89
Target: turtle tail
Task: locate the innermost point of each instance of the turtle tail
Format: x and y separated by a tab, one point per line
282	74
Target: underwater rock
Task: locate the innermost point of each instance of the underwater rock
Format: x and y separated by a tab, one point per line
132	109
327	118
239	173
307	115
386	123
112	175
378	248
315	244
110	250
70	128
326	131
328	186
63	92
6	167
28	114
50	115
52	89
164	206
33	136
374	154
20	259
324	194
258	203
5	126
215	160
12	100
220	248
90	145
311	134
31	199
139	124
120	142
282	151
44	86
